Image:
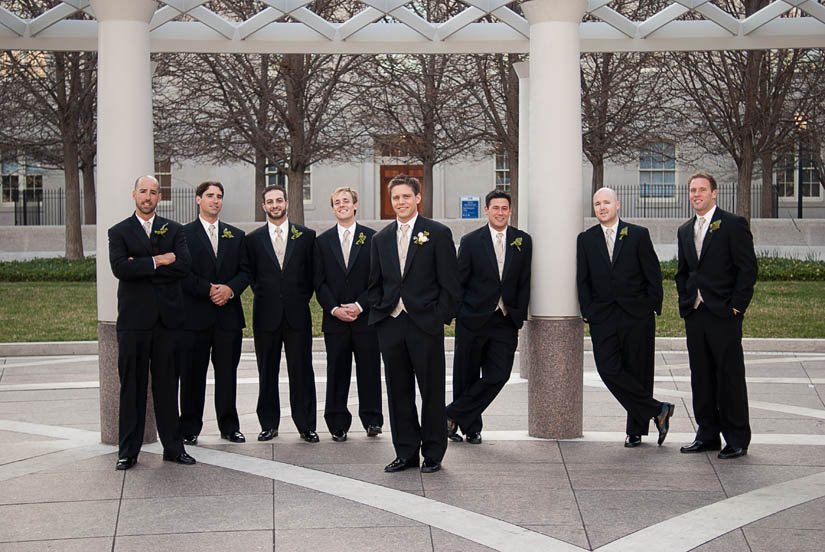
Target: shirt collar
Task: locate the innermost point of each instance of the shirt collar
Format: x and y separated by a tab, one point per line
494	232
341	231
411	222
708	216
207	224
615	228
151	221
284	226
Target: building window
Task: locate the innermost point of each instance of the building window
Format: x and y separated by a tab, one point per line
790	176
163	174
393	145
502	171
9	183
274	175
657	170
784	172
34	187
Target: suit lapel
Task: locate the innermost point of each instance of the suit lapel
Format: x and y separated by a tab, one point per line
334	244
290	243
689	244
157	224
717	214
140	233
354	249
601	244
617	243
222	245
413	248
489	248
509	250
268	247
391	247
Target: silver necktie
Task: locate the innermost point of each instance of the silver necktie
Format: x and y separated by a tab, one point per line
345	246
147	227
698	238
610	243
278	244
213	239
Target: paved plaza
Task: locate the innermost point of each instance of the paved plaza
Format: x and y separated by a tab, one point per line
59	489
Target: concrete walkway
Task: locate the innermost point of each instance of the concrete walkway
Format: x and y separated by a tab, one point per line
59	489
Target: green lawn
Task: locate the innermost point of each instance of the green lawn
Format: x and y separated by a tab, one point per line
65	311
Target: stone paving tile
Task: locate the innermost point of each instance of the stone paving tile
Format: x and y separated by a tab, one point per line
805	516
407	480
448	542
102	463
16	437
197	480
361	539
194	514
217	541
730	542
571	534
801	396
743	478
584	453
48	395
518	505
487	475
308	509
250	448
497	452
778	370
372	451
59	413
786	540
610	515
99	544
494	422
58	520
797	425
644	476
56	487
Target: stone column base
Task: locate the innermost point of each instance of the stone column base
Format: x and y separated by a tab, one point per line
110	389
554	402
524	350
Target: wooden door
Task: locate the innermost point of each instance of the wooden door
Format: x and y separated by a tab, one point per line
388	172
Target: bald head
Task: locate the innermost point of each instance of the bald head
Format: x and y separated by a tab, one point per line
146	195
606	206
608	191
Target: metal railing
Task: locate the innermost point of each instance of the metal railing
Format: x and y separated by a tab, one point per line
48	207
671	201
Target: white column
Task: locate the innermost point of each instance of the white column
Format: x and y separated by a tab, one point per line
522	69
125	151
555	216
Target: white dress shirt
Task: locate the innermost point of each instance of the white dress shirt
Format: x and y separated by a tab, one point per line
352	240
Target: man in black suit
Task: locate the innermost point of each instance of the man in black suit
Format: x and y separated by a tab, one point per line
620	292
279	264
715	277
342	269
494	266
214	317
413	292
148	254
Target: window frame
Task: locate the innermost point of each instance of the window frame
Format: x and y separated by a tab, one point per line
662	169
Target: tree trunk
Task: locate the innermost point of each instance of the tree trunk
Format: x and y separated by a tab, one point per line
89	200
767	195
597	181
512	158
427	190
74	237
260	184
295	194
743	191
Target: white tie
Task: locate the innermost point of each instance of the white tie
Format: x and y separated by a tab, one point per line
610	243
403	246
147	227
500	261
698	238
213	238
345	247
278	244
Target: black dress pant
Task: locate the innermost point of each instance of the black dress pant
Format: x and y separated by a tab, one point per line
341	346
139	353
717	377
298	346
489	351
624	351
411	355
224	348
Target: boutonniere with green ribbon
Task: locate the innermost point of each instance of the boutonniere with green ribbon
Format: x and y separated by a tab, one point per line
162	230
421	238
361	238
227	234
714	226
623	233
295	234
516	243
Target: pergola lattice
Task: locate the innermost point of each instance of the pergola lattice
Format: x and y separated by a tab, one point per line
392	26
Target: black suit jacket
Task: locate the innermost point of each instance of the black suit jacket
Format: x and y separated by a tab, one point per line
478	269
146	295
429	287
201	312
280	293
633	281
726	270
336	284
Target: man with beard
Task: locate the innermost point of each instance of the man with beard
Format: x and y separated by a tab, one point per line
279	264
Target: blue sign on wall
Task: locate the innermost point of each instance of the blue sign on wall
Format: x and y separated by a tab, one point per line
469	207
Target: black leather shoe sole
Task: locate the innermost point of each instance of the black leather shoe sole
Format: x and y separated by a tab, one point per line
474	438
234	437
267	434
430	466
339	436
310	437
663	421
181	458
400	464
373	430
633	441
731	452
700	446
125	463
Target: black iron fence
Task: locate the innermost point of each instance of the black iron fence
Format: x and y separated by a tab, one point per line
671	200
48	207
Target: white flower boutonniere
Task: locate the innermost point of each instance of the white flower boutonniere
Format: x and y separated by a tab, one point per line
295	234
227	234
516	243
421	238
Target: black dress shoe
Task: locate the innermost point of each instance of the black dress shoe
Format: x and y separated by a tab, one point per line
430	466
339	436
452	431
190	439
309	436
662	421
181	458
125	463
400	464
701	446
373	430
234	437
633	441
474	438
267	434
731	452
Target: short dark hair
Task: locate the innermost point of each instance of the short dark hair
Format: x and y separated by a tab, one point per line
497	194
402	178
203	186
706	176
270	188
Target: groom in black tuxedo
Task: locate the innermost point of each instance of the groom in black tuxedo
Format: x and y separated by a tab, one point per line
214	317
620	292
413	292
148	254
494	266
715	277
